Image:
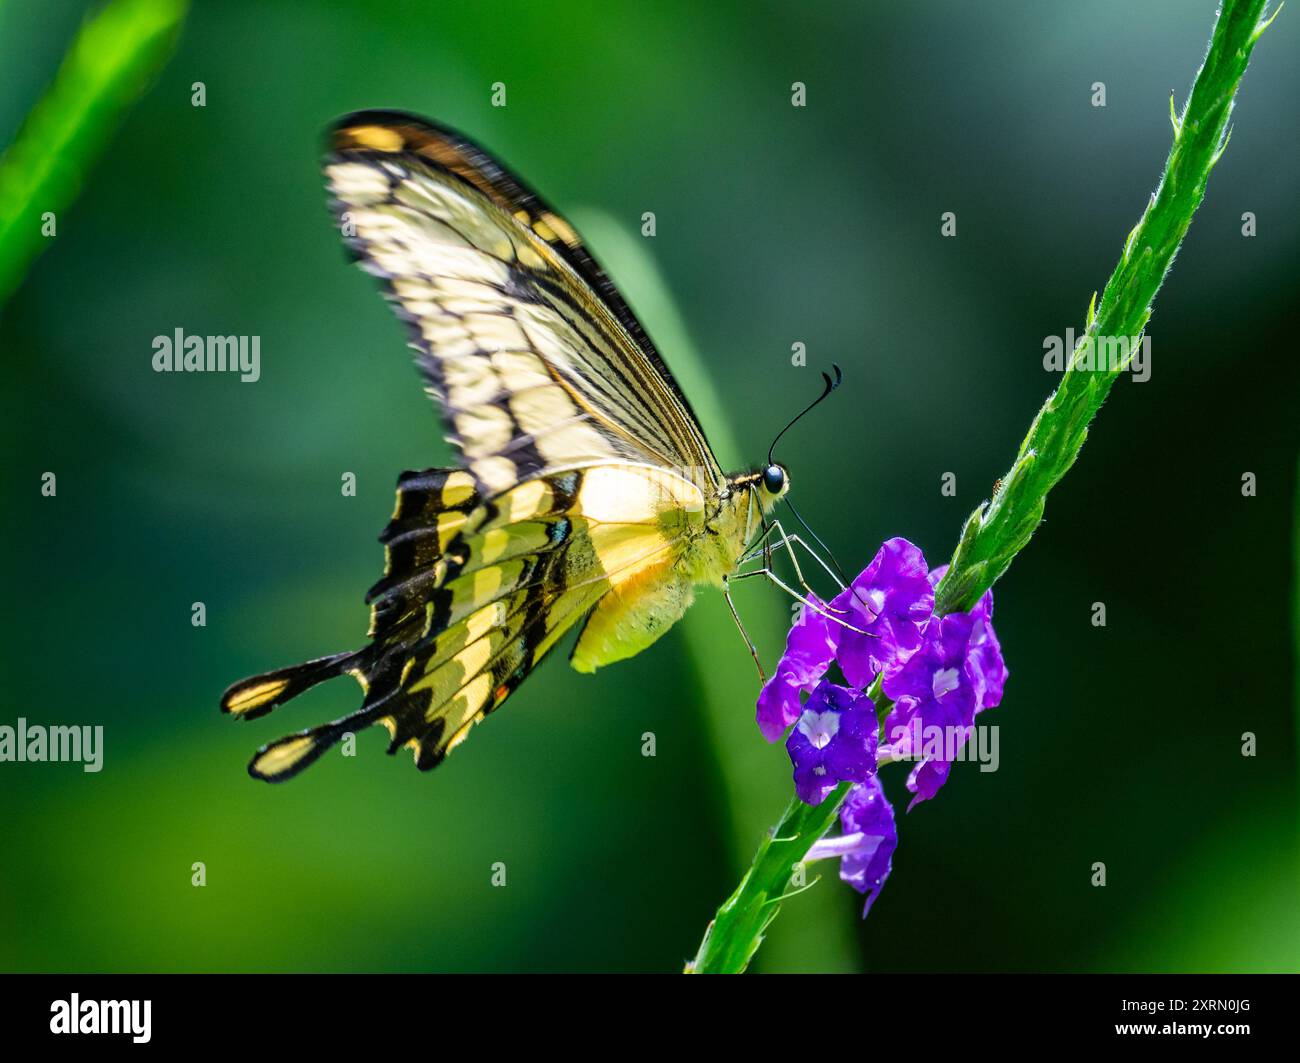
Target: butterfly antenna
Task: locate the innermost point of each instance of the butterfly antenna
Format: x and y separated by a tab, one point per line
830	385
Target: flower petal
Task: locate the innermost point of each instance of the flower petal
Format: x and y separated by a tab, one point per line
867	813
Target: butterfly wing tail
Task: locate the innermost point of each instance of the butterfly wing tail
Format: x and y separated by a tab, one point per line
431	506
286	757
259	694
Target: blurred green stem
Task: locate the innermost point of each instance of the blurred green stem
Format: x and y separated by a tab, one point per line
748	792
997	530
115	55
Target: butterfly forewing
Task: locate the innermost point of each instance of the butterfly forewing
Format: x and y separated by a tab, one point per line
537	362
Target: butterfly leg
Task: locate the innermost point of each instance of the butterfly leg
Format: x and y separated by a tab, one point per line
759	547
726	593
789	541
812	603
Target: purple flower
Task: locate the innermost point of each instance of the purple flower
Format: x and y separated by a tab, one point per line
985	650
866	846
891	601
956	673
809	650
986	654
834	741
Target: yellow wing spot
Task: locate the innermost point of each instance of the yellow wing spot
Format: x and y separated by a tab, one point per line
559	227
357	182
525	502
466	706
474	656
473	590
624	551
506	543
469	381
497	472
449	523
283	755
537	409
361	678
487	582
458	488
255	696
495	333
484	430
446	679
521	368
373	138
495	544
480	623
573	442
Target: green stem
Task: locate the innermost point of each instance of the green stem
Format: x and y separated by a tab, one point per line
735	933
115	55
997	530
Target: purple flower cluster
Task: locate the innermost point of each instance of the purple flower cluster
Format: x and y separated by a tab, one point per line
940	672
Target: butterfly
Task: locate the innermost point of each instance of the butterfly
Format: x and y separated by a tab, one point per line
588	493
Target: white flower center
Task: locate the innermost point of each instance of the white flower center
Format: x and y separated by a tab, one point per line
819	727
876	602
945	679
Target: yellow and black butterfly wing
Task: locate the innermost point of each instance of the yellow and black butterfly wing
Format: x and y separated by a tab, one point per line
535	358
474	595
585	468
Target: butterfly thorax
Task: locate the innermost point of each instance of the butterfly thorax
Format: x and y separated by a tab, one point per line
730	526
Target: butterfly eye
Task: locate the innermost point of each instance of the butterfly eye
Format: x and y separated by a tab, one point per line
774	479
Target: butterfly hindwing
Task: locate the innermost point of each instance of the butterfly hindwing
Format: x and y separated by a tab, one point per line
458	624
432	509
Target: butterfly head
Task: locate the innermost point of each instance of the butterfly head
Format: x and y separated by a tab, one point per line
775	483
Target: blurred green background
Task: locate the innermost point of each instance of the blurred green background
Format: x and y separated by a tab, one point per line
776	225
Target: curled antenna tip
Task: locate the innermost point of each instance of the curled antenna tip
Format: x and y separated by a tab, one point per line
829	385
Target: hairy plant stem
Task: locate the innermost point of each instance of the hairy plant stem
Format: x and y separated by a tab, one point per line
998	529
